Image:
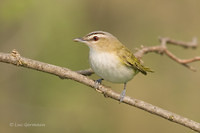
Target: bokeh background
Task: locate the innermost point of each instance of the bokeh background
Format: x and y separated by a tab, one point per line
43	30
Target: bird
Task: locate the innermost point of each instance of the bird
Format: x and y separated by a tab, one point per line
111	60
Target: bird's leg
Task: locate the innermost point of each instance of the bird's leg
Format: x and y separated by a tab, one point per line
97	83
123	93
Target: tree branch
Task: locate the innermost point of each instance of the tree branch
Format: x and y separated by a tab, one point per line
162	49
86	72
15	59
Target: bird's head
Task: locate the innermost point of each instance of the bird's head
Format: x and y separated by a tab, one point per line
100	40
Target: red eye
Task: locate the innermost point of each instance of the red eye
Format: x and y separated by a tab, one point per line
95	38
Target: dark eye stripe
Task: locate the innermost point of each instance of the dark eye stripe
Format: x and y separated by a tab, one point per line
95	33
94	38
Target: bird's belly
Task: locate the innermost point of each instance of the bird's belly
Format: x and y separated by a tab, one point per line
109	67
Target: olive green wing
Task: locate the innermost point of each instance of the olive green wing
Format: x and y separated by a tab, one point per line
130	60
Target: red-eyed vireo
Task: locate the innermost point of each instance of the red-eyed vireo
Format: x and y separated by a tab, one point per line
111	60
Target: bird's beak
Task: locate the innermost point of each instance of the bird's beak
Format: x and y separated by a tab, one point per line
79	40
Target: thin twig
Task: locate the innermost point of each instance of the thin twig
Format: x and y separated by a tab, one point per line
162	49
86	72
192	44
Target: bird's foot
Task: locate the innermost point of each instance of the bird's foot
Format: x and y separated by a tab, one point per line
97	83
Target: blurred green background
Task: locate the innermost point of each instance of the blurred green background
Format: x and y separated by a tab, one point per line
43	30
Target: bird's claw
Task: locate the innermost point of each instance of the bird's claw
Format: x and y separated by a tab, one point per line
97	83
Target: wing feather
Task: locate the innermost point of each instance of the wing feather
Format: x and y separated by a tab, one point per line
130	60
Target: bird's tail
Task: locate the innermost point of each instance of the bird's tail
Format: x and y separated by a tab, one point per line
144	69
148	69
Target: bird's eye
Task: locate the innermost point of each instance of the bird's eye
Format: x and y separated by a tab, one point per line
95	38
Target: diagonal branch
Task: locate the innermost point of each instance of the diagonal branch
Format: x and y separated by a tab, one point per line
15	59
79	76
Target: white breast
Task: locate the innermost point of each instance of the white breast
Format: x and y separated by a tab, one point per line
109	67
